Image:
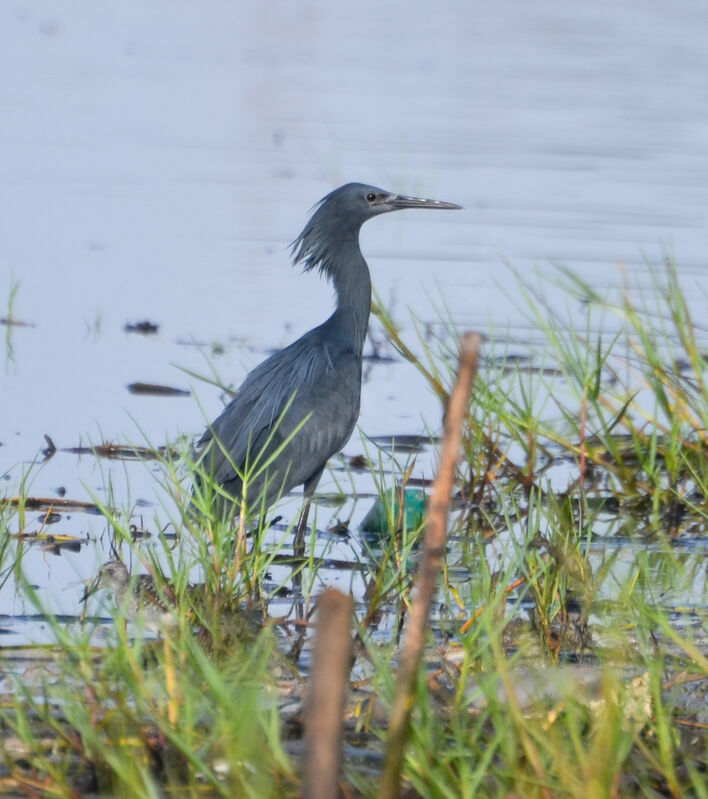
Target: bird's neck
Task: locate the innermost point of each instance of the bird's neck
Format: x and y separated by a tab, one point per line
120	589
352	284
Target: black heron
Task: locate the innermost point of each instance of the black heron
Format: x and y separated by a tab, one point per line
299	407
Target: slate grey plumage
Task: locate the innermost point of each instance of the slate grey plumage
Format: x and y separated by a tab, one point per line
315	381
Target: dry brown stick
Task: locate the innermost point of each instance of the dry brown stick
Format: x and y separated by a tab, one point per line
326	695
428	569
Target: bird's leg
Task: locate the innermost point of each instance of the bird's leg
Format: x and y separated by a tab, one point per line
308	491
301	529
299	543
299	556
298	560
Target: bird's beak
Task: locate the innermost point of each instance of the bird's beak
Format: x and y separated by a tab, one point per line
90	589
397	201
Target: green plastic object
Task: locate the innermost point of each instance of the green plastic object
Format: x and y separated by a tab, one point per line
377	519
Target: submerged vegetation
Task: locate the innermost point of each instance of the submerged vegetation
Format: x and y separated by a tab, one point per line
568	653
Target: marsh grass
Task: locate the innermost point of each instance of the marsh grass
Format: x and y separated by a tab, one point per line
567	654
9	321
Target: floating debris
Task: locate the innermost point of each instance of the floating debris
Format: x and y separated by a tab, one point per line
57	547
54	543
320	563
419	482
124	452
8	321
156	390
50	449
137	533
145	328
359	463
410	517
377	357
340	528
51	503
54	538
404	443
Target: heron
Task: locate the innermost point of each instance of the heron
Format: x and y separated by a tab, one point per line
299	406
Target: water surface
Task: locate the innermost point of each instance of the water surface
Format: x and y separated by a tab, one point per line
158	160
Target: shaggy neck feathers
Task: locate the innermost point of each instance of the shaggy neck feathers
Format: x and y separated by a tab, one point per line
330	244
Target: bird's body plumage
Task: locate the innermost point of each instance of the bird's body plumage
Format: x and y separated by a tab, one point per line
304	399
138	597
254	426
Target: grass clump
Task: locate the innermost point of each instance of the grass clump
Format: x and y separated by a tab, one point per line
567	656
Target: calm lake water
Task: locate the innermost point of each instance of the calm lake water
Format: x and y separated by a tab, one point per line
158	159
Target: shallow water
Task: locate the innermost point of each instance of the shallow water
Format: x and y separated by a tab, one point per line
159	160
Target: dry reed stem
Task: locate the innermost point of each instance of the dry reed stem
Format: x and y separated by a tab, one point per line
171	687
429	567
326	695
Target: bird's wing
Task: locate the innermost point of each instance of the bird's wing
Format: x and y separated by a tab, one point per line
291	379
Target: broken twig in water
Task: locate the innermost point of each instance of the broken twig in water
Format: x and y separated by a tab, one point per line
124	452
52	503
157	390
8	321
429	568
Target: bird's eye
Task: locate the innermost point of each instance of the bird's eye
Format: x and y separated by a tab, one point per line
370	196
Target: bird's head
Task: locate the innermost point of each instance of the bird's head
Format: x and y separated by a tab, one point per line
338	217
110	575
